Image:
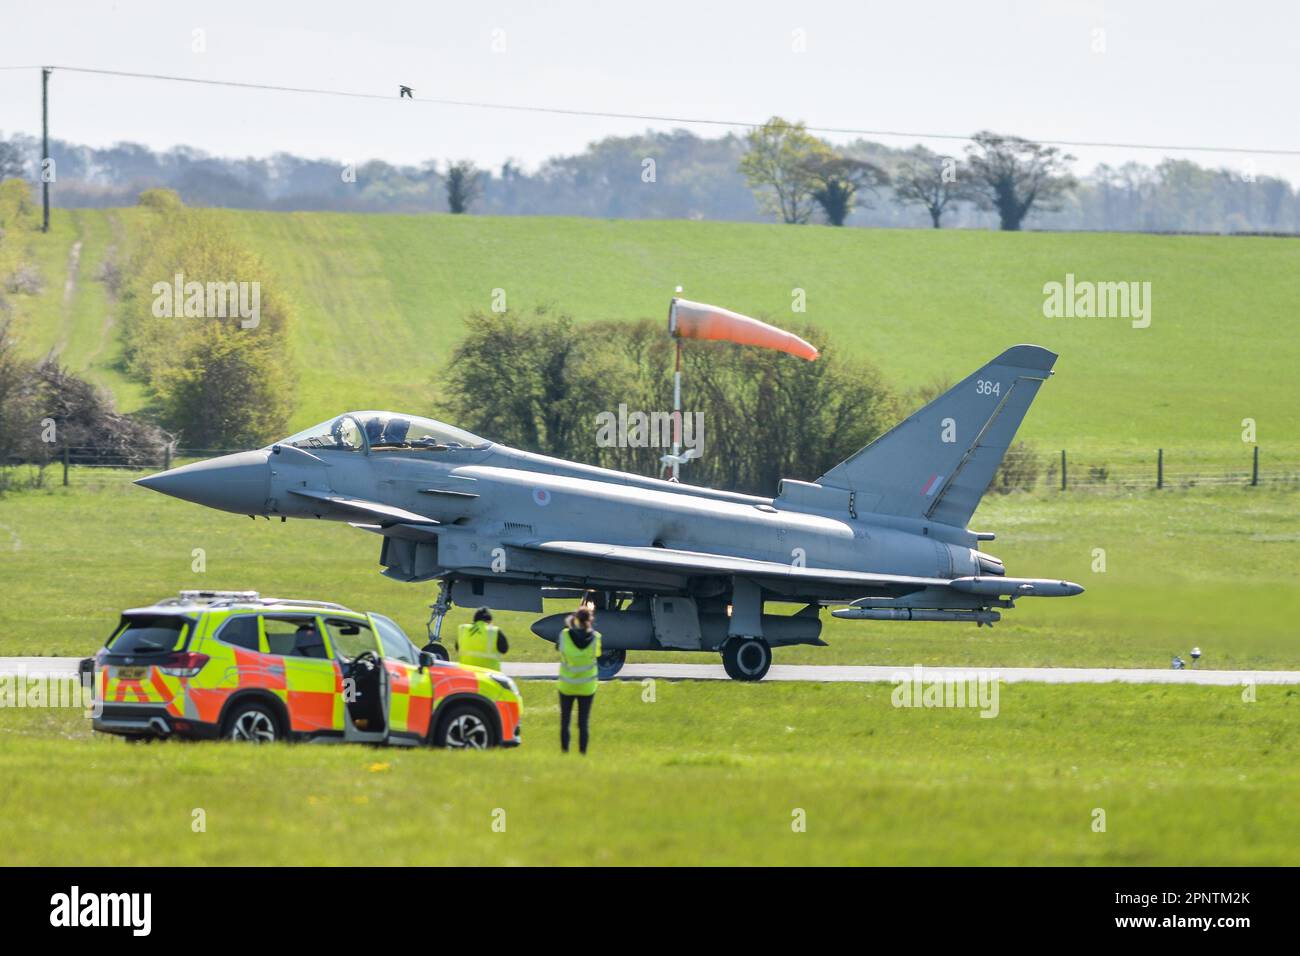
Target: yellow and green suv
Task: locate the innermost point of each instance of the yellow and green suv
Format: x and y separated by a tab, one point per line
235	665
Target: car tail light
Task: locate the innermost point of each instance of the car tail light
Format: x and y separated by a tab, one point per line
182	664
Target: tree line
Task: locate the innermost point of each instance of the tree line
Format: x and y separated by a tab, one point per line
794	173
668	175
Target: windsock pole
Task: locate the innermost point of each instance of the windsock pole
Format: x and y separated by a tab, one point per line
699	320
677	413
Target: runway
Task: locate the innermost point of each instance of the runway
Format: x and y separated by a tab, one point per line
835	673
877	673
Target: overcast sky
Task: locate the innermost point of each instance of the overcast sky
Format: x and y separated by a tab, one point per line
1161	71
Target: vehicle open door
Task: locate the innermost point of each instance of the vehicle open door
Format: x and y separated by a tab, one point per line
366	690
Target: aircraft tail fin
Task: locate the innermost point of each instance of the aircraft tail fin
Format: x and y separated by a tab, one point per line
937	463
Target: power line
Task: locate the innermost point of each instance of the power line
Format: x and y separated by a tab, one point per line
644	117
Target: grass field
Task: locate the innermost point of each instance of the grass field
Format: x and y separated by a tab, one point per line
704	774
380	301
1216	569
1184	774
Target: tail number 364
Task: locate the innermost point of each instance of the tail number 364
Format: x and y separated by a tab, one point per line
985	387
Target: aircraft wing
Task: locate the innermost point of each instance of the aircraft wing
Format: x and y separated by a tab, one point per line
364	509
670	559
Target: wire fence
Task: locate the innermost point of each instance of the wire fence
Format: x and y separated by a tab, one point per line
1158	469
71	456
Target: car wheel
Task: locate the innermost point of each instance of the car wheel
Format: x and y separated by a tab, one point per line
464	726
746	658
610	663
253	723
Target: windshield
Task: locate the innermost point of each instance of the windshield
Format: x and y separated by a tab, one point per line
394	640
342	433
357	431
391	430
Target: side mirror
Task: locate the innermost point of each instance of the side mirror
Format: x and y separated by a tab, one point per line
426	660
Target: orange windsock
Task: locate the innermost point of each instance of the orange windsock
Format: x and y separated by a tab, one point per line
696	320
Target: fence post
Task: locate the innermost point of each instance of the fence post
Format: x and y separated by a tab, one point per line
1160	468
65	466
167	457
1062	469
1254	468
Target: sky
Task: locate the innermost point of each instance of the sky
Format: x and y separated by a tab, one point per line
1148	71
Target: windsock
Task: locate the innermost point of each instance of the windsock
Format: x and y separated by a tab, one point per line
697	320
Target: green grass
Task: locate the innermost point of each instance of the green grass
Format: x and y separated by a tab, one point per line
706	774
73	317
1214	568
711	773
380	301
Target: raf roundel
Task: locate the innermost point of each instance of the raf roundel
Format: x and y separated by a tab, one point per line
542	497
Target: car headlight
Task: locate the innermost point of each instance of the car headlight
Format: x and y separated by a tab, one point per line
506	682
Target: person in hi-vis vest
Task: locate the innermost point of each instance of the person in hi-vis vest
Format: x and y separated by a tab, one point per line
579	646
481	643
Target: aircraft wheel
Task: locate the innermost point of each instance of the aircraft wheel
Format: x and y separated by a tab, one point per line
746	658
610	663
438	650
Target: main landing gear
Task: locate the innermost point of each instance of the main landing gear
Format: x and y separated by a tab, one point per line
746	658
610	663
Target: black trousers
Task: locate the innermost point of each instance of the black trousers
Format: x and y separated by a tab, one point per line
584	720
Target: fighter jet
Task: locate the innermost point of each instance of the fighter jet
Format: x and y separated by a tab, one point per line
882	536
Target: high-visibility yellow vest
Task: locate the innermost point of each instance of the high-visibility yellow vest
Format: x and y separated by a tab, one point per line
578	675
477	644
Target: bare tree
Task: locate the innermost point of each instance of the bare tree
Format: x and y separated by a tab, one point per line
464	185
837	182
929	180
1014	175
776	167
18	413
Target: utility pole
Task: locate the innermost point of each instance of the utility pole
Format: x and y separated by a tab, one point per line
45	146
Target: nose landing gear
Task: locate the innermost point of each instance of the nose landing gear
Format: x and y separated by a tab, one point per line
437	611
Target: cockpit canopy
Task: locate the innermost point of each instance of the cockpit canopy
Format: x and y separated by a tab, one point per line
379	431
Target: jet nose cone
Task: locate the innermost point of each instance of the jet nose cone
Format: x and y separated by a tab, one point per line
240	483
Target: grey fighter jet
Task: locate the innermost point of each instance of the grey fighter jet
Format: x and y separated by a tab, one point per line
882	536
